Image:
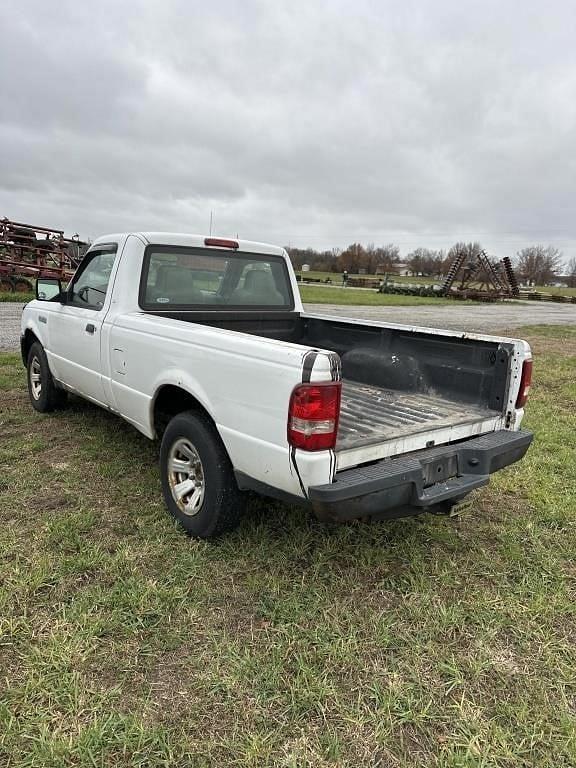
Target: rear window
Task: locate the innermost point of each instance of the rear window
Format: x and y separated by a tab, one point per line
202	278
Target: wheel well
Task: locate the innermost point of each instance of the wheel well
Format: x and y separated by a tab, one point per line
29	339
171	400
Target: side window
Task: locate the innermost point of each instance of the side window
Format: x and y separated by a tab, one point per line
91	284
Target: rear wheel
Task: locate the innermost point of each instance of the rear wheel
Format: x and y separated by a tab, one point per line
42	390
198	482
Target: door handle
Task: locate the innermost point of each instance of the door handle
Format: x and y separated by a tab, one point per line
90	328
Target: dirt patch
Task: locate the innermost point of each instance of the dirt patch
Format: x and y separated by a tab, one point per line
11	397
49	501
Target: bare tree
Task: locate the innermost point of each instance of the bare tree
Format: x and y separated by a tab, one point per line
438	263
537	264
386	258
416	260
423	261
352	258
322	261
369	258
471	251
571	272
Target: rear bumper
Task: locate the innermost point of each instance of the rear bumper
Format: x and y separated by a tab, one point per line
415	482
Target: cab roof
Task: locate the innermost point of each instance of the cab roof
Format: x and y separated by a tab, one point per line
193	241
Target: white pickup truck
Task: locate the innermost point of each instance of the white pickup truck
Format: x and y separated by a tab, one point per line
204	344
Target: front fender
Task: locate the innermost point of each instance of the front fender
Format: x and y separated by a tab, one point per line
32	325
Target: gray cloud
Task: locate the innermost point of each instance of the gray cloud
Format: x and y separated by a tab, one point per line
305	122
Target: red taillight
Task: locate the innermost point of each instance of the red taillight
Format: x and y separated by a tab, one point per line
313	416
525	381
220	242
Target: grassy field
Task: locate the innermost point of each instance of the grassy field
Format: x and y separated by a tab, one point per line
424	642
16	297
312	294
557	291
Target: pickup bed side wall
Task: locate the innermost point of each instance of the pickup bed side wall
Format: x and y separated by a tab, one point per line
243	382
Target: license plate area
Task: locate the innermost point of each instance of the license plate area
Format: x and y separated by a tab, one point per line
439	469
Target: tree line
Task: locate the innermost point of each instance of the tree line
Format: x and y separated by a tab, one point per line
535	264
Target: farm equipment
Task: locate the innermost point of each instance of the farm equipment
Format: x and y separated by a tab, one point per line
28	252
472	275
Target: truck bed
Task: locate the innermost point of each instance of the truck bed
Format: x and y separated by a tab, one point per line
371	414
397	382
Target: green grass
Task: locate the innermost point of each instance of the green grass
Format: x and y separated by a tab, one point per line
318	295
437	642
16	297
550	289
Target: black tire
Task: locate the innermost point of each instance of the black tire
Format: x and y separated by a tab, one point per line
189	437
48	397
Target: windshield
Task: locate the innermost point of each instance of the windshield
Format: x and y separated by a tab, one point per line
210	279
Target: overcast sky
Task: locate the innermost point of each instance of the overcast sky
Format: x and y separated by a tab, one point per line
303	123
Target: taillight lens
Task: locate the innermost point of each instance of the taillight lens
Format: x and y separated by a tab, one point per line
525	381
313	416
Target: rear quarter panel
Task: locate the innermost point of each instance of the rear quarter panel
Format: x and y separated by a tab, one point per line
244	382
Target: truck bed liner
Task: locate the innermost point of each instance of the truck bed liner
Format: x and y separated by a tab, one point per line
372	414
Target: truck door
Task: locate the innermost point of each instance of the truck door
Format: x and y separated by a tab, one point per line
75	353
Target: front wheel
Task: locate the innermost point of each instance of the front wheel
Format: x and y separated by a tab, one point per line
198	482
42	390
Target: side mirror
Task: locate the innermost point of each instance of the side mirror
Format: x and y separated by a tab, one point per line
48	288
